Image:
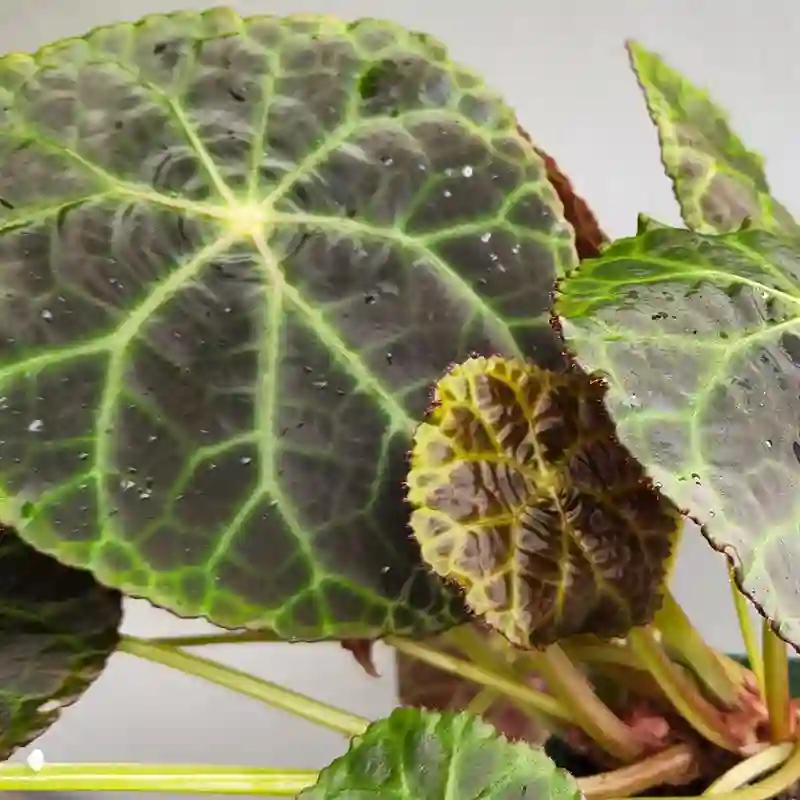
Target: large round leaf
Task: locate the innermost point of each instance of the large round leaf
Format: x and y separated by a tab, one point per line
235	254
57	628
419	755
699	337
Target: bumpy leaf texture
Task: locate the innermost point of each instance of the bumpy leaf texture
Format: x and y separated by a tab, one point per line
524	497
418	755
718	182
57	628
236	254
699	337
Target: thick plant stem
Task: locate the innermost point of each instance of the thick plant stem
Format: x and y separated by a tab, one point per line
749	637
682	693
575	692
162	779
776	684
770	787
272	694
521	693
671	765
478	649
751	768
681	638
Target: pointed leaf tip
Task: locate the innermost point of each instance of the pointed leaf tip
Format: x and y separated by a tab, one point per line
716	179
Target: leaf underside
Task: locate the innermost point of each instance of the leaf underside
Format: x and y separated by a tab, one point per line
718	182
236	254
699	338
589	237
524	498
418	755
57	628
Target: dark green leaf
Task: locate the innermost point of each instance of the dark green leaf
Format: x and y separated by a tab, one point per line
236	254
699	337
419	755
525	499
57	628
718	182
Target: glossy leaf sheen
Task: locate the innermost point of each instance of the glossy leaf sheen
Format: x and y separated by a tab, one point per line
419	755
524	498
236	254
718	182
700	339
57	628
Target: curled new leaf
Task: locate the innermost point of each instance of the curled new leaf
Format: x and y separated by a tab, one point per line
57	628
419	755
524	498
718	182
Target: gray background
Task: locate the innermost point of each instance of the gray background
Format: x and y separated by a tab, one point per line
563	67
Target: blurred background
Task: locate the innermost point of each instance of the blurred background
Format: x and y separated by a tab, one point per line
563	67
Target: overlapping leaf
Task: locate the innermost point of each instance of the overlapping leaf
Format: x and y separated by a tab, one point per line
718	182
418	755
57	628
524	497
235	254
699	337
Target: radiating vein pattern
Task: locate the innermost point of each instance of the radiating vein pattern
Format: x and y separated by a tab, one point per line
236	253
699	336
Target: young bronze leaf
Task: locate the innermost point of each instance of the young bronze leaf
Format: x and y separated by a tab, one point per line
718	182
700	338
237	252
524	498
422	755
57	628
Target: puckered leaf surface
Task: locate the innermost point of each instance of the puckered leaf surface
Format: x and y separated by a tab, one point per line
419	755
57	628
699	337
235	255
524	497
718	182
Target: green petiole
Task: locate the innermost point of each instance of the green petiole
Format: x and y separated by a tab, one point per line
272	694
161	778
